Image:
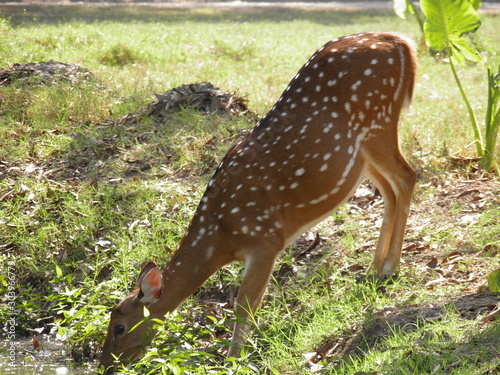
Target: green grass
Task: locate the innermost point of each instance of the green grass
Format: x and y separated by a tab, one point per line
84	200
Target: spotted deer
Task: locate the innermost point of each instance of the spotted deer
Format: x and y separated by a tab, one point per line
334	124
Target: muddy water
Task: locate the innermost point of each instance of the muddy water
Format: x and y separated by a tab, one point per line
20	357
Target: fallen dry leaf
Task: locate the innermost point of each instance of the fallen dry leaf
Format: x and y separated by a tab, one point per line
433	263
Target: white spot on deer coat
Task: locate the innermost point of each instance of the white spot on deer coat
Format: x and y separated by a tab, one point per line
300	172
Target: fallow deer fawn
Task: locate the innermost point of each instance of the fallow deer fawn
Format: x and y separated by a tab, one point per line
335	124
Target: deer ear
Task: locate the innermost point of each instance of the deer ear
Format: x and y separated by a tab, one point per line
146	267
150	283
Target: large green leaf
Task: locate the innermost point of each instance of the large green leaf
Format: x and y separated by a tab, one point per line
476	3
446	23
462	51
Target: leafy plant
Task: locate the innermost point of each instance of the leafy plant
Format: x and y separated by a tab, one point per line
492	121
188	347
446	24
74	308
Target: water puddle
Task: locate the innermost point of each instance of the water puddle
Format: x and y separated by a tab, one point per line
47	356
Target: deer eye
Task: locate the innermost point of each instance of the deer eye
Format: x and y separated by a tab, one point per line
119	329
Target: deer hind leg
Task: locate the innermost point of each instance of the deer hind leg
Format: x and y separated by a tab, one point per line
257	273
387	227
395	179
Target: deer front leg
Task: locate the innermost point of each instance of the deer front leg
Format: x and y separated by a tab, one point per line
258	269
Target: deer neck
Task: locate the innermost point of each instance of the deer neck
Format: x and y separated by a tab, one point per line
199	255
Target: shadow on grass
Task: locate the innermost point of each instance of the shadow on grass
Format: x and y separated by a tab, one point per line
180	147
422	336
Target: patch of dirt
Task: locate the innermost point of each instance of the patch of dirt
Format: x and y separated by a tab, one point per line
203	97
44	73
